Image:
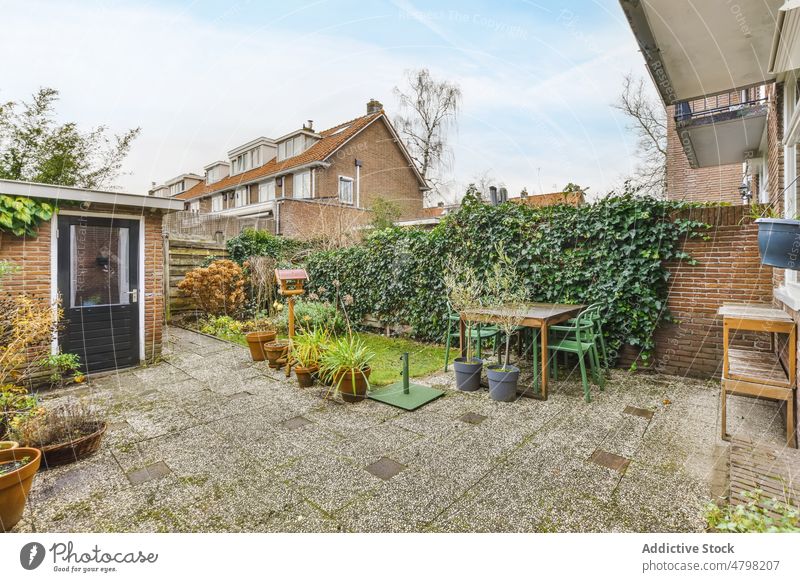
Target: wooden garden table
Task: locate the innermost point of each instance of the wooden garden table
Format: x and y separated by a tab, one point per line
539	315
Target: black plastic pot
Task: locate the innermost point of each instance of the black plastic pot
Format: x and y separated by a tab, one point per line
468	373
779	242
502	382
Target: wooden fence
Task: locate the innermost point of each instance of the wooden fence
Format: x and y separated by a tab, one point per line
180	257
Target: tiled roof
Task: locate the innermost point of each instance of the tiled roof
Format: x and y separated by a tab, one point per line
551	199
331	140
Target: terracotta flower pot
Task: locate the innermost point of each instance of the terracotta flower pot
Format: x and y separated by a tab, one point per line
275	351
8	445
306	376
15	486
256	341
352	384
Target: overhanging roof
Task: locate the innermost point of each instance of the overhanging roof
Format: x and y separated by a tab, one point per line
49	191
695	48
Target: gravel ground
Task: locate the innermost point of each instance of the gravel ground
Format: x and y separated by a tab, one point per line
207	440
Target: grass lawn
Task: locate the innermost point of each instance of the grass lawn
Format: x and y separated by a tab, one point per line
386	366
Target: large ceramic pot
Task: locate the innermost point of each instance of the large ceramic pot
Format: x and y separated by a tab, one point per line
779	242
306	376
276	352
256	341
502	382
6	445
468	373
352	384
15	485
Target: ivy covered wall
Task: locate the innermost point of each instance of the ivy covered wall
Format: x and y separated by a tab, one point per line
613	252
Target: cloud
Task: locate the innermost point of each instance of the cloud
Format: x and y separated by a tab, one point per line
201	84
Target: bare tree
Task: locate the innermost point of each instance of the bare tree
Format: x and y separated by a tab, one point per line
648	120
428	111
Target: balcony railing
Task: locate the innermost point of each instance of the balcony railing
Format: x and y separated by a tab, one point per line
730	102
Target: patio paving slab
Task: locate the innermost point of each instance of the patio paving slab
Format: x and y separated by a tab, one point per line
235	446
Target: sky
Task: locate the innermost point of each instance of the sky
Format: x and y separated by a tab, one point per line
538	78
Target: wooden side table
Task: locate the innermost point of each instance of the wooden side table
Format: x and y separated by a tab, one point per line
758	374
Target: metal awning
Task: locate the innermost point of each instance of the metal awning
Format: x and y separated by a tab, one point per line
696	48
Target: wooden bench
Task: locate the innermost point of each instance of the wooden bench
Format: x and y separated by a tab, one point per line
773	470
747	372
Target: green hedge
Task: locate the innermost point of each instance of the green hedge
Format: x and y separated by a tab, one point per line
259	243
612	251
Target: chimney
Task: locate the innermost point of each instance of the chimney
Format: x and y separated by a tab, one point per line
310	126
493	195
374	106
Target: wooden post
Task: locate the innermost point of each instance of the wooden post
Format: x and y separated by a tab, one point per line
290	301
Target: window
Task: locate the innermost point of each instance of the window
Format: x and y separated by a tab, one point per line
266	191
240	198
291	147
176	188
194	206
345	189
211	176
216	203
302	185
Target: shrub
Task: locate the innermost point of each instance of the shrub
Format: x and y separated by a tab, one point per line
611	252
754	517
217	289
61	425
259	243
311	314
61	367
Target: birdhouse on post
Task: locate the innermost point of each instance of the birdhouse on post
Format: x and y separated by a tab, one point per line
291	283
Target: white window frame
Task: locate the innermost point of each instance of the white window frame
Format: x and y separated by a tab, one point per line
217	204
194	206
791	133
299	181
266	191
240	197
346	180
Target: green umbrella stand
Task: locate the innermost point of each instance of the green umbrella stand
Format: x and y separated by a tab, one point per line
403	394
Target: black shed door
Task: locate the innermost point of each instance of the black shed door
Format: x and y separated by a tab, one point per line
98	279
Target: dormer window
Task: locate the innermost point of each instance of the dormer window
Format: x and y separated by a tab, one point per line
211	175
177	188
247	161
291	147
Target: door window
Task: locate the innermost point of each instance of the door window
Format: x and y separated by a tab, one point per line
99	265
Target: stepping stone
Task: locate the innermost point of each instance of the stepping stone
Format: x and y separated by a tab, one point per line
641	412
472	418
237	395
385	468
148	473
610	460
296	422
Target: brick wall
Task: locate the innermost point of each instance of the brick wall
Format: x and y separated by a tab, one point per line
321	219
728	270
713	184
385	171
32	256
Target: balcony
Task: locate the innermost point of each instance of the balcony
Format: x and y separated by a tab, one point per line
722	129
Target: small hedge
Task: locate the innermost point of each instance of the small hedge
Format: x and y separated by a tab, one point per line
612	252
259	243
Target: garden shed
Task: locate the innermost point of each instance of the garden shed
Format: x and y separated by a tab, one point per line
101	254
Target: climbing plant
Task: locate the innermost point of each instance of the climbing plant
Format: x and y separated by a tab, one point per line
611	252
259	243
21	216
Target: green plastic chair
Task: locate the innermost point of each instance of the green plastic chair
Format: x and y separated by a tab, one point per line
596	332
577	337
478	334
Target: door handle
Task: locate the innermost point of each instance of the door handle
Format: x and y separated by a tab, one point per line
134	295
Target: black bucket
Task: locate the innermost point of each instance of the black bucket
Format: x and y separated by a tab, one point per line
502	382
779	242
468	373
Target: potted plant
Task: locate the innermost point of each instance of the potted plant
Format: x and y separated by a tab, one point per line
17	470
464	290
307	348
263	333
64	435
504	293
6	445
345	365
778	240
276	352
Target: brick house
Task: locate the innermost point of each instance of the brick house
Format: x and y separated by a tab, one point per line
728	76
102	255
308	183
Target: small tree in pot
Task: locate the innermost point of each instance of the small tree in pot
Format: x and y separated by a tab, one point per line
307	349
464	292
506	294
